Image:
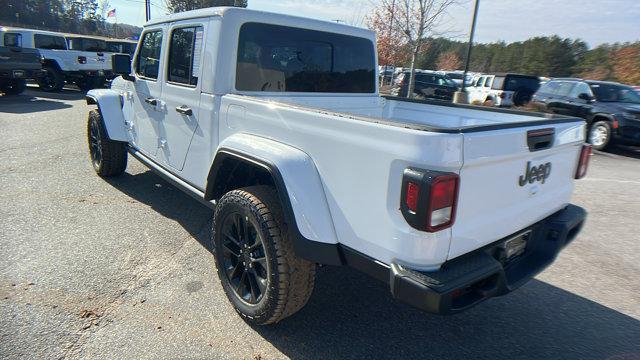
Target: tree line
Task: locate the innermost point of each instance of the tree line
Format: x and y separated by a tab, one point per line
88	17
549	56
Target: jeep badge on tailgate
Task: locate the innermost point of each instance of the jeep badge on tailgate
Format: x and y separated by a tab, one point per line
536	173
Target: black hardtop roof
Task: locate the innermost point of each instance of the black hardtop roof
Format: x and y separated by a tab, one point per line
513	74
595	82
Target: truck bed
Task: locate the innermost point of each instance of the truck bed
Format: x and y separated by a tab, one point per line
362	144
434	116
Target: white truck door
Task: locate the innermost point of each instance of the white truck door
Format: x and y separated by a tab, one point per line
148	109
181	92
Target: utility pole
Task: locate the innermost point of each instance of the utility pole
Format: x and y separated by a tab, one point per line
393	16
461	96
147	9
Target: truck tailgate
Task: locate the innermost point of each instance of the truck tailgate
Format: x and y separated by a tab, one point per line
496	197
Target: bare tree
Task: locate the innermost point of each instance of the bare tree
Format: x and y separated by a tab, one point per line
414	21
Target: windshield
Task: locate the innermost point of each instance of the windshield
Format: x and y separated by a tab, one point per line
615	93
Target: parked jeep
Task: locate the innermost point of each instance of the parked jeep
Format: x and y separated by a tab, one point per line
17	64
503	90
612	110
60	64
276	123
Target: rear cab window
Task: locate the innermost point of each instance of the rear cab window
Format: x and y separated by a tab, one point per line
280	58
49	42
185	47
148	59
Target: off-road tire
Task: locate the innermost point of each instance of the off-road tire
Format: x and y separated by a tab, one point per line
14	87
599	143
52	81
290	278
112	156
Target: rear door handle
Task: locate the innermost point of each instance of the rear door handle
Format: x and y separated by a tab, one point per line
184	110
151	101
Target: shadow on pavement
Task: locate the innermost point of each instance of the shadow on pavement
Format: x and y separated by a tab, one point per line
625	150
150	189
34	100
353	316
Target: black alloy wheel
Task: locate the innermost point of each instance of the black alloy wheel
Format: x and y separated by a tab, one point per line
95	144
244	258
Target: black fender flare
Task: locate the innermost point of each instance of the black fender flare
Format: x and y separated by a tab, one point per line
319	252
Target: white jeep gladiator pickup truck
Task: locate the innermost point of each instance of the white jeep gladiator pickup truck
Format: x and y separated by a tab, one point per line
61	64
276	123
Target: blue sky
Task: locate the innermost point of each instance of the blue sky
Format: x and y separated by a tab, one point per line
594	21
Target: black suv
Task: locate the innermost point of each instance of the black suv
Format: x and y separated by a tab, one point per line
428	86
612	110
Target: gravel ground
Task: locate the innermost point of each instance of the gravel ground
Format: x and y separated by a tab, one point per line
120	269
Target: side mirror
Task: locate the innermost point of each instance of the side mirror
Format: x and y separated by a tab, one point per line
585	97
121	65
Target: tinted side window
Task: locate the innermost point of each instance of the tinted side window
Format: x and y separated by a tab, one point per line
498	82
148	62
580	88
13	39
488	81
184	55
93	45
428	79
114	47
49	42
564	88
280	58
549	88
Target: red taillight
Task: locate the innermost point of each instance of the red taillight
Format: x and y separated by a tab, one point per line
428	198
615	124
411	197
502	95
583	163
442	202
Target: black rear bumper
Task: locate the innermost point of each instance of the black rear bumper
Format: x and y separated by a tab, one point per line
467	280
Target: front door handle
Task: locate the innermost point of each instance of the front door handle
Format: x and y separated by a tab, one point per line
151	101
184	110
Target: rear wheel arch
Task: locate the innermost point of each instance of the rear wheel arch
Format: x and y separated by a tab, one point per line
233	170
53	63
601	117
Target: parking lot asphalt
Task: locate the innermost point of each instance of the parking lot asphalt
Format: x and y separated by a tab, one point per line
120	269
